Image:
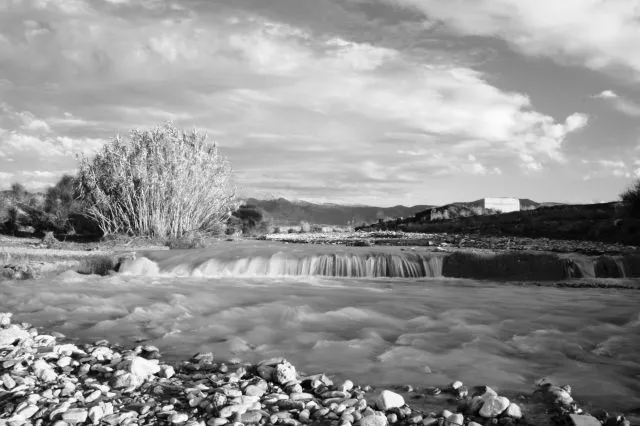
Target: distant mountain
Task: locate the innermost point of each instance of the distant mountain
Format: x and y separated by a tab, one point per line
286	212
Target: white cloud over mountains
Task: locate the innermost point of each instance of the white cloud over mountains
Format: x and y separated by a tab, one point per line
330	110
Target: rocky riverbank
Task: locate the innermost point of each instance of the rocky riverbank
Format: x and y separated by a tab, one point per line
445	242
45	379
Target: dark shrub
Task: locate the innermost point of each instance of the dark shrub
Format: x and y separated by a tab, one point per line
631	200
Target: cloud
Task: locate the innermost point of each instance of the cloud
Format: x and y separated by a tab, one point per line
622	104
606	94
596	34
323	106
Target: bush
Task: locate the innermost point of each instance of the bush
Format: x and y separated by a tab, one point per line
163	183
304	227
631	200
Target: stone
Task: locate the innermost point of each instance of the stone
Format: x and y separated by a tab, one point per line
513	411
455	385
28	411
8	381
13	334
583	420
44	371
284	373
474	424
454	420
5	319
388	400
217	421
301	396
125	381
374	420
95	414
64	361
75	415
475	404
494	406
251	417
178	418
92	396
167	371
392	418
255	390
143	368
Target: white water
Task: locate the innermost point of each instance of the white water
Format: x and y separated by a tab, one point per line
376	331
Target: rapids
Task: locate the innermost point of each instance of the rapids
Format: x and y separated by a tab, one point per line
378	331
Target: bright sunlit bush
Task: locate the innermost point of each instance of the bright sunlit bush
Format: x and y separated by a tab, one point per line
163	183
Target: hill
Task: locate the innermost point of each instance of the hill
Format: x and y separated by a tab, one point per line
594	222
286	212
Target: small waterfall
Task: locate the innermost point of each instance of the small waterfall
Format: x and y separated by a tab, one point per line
279	265
510	266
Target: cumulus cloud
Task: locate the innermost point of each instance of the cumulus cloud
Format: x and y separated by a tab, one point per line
276	96
596	34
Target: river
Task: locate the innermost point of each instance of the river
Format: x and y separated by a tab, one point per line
378	331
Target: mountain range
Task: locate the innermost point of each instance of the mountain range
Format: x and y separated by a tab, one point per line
286	212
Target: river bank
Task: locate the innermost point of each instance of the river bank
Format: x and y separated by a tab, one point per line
49	379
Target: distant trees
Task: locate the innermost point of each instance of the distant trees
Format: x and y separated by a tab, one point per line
631	199
250	220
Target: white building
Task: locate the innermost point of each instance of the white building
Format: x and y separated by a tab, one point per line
502	204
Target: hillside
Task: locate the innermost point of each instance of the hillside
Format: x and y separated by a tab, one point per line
286	212
594	222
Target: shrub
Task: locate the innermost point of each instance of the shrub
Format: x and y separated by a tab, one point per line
305	227
163	183
631	200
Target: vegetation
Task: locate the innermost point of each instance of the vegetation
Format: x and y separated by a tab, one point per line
631	200
250	221
162	183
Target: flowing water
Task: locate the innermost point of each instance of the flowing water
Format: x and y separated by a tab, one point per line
380	331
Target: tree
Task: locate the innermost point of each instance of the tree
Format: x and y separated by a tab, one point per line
631	199
62	198
18	191
163	182
252	220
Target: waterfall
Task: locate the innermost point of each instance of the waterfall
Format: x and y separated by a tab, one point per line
510	266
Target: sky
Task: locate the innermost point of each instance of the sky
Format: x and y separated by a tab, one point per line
378	102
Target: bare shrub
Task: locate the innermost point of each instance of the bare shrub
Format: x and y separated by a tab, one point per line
162	183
